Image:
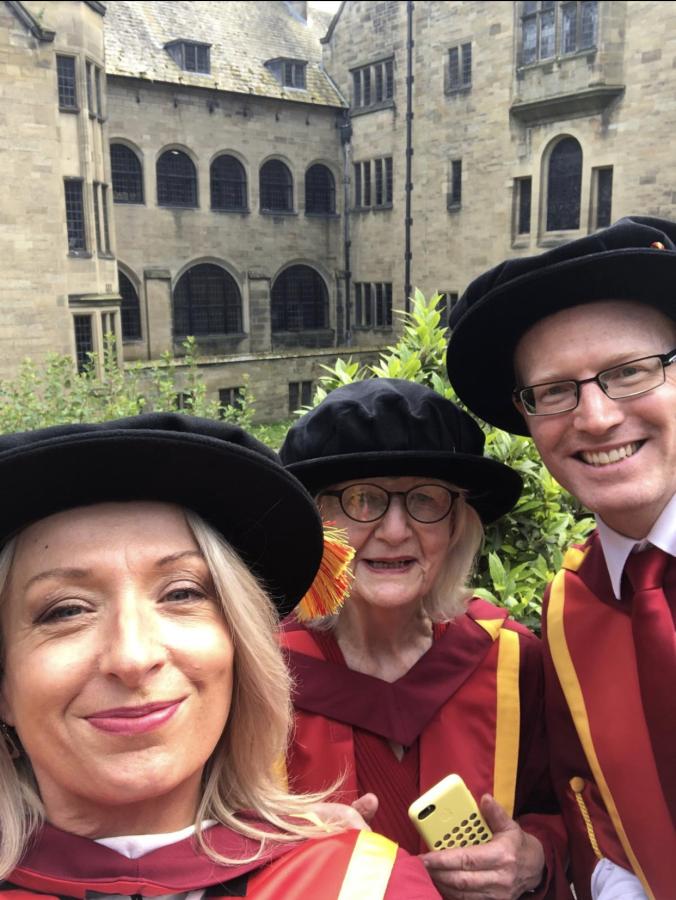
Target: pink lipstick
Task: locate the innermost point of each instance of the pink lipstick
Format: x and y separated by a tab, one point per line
135	719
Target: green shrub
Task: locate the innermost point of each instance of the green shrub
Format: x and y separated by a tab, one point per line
522	551
55	394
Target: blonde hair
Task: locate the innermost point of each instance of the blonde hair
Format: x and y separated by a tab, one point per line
243	772
450	593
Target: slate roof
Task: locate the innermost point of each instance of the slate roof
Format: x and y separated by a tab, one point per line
243	36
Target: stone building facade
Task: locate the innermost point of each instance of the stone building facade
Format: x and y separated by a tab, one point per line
275	182
54	146
533	123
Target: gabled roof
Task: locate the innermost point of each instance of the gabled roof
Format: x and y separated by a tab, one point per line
243	36
46	35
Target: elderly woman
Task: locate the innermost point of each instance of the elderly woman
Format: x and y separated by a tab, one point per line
143	698
414	679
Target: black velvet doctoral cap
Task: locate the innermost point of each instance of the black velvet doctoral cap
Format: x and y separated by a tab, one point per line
388	426
217	470
634	259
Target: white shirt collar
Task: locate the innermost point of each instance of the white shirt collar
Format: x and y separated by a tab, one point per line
617	547
134	846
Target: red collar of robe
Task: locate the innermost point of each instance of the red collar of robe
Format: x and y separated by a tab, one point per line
398	711
61	863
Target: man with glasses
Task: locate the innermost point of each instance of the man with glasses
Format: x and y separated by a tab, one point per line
577	347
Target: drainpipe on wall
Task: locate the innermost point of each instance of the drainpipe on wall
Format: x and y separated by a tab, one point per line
345	140
408	221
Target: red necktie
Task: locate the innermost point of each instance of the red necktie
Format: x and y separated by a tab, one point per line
655	642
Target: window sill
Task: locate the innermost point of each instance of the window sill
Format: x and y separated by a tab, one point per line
129	202
278	212
556	238
455	91
176	206
79	254
453	207
322	215
69	109
374	107
383	328
368	209
105	255
212	335
242	211
558	58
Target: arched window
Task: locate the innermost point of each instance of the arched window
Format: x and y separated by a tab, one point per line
127	175
130	309
299	300
276	187
207	301
564	186
320	190
176	179
228	183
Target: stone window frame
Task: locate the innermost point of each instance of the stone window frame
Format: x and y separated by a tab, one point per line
454	194
231	398
94	89
522	214
231	182
275	182
458	71
372	305
98	320
294	73
299	300
67	83
320	190
373	86
562	206
76	217
129	178
300	394
549	18
290	72
600	207
131	324
190	56
192	297
171	184
373	184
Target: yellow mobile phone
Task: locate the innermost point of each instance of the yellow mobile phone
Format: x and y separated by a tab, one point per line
447	816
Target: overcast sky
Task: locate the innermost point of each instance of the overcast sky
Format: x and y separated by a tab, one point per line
329	5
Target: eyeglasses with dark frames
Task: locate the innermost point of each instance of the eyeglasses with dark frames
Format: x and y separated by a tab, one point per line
628	379
426	503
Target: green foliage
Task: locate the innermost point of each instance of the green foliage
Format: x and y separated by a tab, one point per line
55	393
271	434
522	551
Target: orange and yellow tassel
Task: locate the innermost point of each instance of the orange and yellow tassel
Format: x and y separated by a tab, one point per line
331	586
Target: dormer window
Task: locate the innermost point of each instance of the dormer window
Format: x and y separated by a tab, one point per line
190	56
289	72
293	74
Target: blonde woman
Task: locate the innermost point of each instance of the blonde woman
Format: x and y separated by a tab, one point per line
414	678
144	702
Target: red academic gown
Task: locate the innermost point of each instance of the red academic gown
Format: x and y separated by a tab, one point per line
603	765
472	704
59	864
